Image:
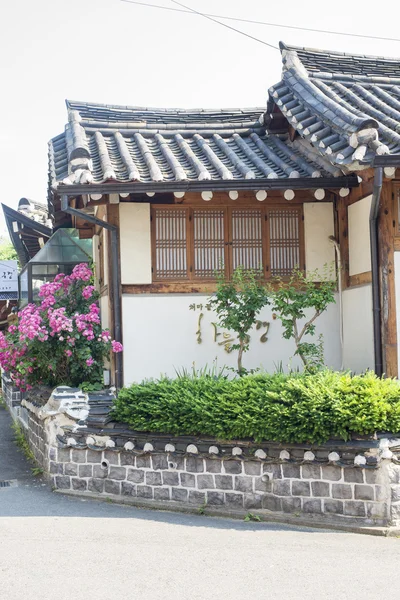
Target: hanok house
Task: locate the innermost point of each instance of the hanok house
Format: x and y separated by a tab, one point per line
171	195
29	229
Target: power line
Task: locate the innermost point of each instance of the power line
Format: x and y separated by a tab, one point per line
191	11
225	25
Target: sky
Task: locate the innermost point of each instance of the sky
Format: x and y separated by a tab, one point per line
113	52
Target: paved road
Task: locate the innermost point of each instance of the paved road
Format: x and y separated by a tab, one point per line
56	547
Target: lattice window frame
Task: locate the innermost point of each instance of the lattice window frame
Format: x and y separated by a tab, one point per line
264	245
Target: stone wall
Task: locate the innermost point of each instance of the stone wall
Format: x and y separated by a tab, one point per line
354	483
285	486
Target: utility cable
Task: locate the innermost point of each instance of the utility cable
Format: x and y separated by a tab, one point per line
251	21
225	25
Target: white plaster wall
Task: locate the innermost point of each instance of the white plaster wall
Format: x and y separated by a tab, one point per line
318	226
358	350
96	260
159	335
397	292
105	254
359	246
104	312
134	218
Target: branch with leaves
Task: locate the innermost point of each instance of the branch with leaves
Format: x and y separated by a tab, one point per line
237	303
290	300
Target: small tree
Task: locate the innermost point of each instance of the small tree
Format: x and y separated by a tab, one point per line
237	303
291	299
7	250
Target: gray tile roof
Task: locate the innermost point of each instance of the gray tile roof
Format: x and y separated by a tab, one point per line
117	143
346	106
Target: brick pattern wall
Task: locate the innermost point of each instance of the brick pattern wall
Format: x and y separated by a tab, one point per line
12	396
310	489
37	436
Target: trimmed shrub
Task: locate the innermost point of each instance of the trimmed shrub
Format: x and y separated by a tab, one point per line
299	407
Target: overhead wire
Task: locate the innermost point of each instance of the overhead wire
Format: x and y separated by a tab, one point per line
192	10
254	22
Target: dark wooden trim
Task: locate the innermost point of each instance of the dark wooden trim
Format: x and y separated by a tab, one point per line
137	187
189	287
104	291
112	219
343	233
396	206
360	279
179	287
388	292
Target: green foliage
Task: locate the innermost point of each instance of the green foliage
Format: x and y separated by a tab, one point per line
296	407
237	303
251	517
206	371
22	443
37	471
202	509
291	299
86	386
7	250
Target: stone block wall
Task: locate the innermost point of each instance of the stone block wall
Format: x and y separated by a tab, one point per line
12	396
287	487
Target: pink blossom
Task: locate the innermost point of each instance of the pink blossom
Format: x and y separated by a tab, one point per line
81	272
88	291
89	361
68	353
116	346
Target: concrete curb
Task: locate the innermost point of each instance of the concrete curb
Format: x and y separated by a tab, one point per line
283	519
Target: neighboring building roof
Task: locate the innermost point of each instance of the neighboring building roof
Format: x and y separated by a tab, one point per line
29	227
104	143
346	106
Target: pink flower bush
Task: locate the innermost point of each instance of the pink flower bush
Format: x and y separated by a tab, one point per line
60	340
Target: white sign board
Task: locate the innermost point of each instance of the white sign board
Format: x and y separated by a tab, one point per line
8	276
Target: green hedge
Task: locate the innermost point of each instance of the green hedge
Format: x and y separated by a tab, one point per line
283	408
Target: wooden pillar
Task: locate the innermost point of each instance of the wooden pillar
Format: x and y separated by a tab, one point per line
343	232
113	219
388	293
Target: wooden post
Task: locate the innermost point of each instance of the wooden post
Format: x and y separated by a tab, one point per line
113	219
388	294
343	230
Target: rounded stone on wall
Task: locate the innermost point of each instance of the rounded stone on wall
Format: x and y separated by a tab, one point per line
110	444
169	448
333	457
90	441
284	455
129	446
71	441
308	455
237	451
386	454
213	450
260	454
192	449
148	447
360	460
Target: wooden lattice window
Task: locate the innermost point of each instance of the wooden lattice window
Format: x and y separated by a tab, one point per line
171	243
192	243
247	238
284	241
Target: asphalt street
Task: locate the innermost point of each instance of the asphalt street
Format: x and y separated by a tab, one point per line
58	547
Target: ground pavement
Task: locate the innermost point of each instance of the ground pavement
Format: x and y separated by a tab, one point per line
57	547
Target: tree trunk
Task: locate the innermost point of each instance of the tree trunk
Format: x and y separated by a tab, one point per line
240	356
